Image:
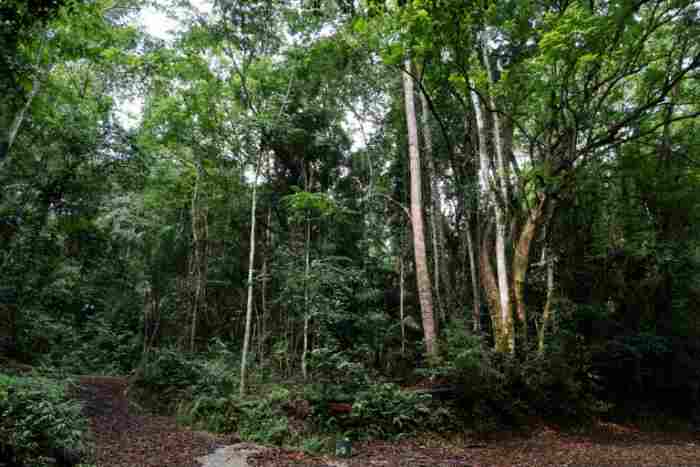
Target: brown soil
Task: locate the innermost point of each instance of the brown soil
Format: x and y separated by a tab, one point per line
125	437
607	445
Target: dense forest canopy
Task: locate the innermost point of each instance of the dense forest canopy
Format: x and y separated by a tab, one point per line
379	184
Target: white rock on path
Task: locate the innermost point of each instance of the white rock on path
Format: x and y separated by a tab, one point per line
230	456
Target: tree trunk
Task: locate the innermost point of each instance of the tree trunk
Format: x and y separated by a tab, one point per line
401	303
12	110
424	285
508	326
307	270
490	284
264	285
251	269
504	326
435	206
8	141
474	274
521	263
502	137
547	313
198	264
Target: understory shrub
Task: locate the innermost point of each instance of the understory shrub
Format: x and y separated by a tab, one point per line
97	347
261	420
38	419
376	409
177	378
202	390
337	375
496	388
385	411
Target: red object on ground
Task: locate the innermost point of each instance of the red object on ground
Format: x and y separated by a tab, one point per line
339	407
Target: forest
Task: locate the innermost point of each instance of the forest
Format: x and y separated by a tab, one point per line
349	232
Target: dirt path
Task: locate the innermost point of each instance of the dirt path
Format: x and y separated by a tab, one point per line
126	438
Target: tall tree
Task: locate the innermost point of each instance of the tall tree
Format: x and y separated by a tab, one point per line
425	292
251	269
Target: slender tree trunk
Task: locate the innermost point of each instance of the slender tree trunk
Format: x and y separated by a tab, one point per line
194	267
434	207
422	273
401	303
151	325
508	326
474	273
6	146
251	269
289	345
198	266
147	305
12	115
264	285
547	313
307	270
501	137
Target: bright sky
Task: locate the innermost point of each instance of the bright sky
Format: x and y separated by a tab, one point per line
163	24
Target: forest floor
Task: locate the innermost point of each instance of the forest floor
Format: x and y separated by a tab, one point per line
125	436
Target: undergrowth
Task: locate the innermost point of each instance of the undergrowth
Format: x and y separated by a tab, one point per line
38	419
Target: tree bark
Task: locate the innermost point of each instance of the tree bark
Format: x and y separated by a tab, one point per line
424	285
474	274
502	137
488	281
198	264
251	269
504	326
508	326
435	206
6	144
307	270
547	313
12	110
401	303
521	262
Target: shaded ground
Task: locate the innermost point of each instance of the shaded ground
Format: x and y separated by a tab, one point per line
608	445
126	438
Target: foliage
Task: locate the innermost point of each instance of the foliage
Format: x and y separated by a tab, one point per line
97	347
384	410
260	419
315	444
178	378
338	375
496	389
37	416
